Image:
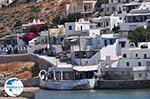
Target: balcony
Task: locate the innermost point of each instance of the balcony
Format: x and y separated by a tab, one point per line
131	26
83	48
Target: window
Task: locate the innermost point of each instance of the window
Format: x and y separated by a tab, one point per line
99	24
105	42
140	75
124	55
107	9
122	44
148	63
70	27
81	27
107	23
136	55
89	41
113	9
139	63
145	56
111	41
146	74
127	64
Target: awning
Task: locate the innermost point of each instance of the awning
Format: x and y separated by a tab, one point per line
141	68
85	68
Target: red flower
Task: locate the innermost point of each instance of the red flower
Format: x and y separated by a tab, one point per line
35	28
29	36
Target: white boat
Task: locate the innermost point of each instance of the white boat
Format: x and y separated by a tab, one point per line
68	84
80	77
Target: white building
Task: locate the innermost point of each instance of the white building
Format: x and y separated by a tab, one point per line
106	22
136	18
81	27
86	40
120	6
112	6
127	7
80	6
134	64
90	50
5	2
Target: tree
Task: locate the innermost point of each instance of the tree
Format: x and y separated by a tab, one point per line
104	31
18	23
139	35
70	18
115	29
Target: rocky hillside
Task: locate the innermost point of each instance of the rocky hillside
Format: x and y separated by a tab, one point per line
26	10
21	70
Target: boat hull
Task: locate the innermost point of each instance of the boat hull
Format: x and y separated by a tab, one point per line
68	84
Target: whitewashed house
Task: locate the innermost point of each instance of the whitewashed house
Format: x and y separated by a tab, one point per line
106	22
139	60
127	7
78	28
134	64
5	2
112	6
88	45
136	18
80	6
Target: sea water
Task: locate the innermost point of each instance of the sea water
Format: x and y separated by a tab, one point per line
95	94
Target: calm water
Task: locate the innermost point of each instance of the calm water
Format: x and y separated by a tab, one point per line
94	94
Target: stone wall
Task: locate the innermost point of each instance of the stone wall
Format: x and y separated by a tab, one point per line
122	84
31	82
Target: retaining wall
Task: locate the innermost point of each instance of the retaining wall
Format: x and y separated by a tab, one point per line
122	84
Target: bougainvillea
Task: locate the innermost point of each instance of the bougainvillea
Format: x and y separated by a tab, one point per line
33	32
36	28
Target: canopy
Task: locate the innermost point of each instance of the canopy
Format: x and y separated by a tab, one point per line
86	68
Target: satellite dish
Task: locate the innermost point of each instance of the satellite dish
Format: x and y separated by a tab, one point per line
42	74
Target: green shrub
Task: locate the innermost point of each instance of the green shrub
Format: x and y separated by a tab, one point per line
139	35
18	23
15	51
116	28
70	18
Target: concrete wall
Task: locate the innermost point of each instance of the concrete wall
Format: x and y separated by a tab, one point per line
133	62
119	75
122	84
142	75
131	53
77	27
